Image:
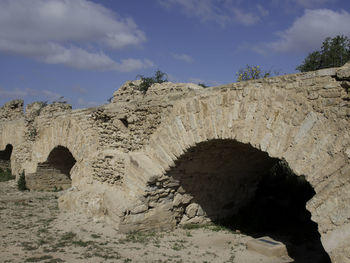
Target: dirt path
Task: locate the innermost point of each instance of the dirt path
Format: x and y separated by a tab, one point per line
34	230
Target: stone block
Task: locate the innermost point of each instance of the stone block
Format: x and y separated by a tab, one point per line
326	72
344	72
268	247
191	210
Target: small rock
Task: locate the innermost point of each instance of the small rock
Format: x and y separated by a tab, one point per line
200	211
191	210
139	209
182	199
348	152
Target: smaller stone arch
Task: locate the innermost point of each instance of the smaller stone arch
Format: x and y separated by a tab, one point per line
54	173
5	157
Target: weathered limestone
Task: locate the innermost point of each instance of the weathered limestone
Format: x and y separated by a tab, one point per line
152	161
268	247
53	174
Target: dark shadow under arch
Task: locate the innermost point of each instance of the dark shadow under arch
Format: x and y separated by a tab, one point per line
61	159
54	173
244	189
5	157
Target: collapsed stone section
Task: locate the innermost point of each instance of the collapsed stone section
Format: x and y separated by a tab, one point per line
5	157
12	110
125	147
54	173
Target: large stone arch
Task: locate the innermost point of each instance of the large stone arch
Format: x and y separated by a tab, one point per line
54	173
12	133
5	157
68	134
272	121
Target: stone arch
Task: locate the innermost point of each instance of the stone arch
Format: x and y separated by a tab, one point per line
305	139
5	157
81	143
54	173
270	121
231	184
12	132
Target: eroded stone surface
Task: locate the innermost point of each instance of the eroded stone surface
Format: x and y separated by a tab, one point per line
132	155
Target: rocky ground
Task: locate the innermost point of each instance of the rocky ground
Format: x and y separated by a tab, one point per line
34	230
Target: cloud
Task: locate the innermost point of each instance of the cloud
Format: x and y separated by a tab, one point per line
308	32
312	3
58	32
128	65
79	90
208	82
22	93
86	104
183	57
196	80
262	10
218	11
244	17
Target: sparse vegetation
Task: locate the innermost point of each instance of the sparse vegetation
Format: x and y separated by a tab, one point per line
147	82
140	237
21	183
203	85
6	175
211	226
42	104
59	189
252	72
60	100
335	52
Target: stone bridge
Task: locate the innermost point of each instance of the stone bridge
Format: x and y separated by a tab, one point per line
185	154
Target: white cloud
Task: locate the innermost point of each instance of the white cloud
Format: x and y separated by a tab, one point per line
208	82
183	57
262	10
244	17
312	3
49	30
22	93
79	90
86	104
308	32
196	80
16	93
128	65
221	12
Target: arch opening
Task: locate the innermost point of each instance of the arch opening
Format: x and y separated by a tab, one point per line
54	173
5	157
235	185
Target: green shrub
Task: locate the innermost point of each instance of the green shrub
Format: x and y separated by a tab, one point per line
335	52
55	189
252	72
146	82
21	183
5	175
203	85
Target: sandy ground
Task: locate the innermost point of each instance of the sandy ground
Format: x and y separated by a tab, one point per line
34	230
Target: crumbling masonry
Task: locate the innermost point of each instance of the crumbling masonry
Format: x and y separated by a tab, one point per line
144	161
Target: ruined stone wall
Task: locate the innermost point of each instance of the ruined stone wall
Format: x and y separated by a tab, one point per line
326	90
11	110
143	161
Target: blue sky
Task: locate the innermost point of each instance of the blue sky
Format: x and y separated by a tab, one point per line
84	50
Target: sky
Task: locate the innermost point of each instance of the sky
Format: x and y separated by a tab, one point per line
81	51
